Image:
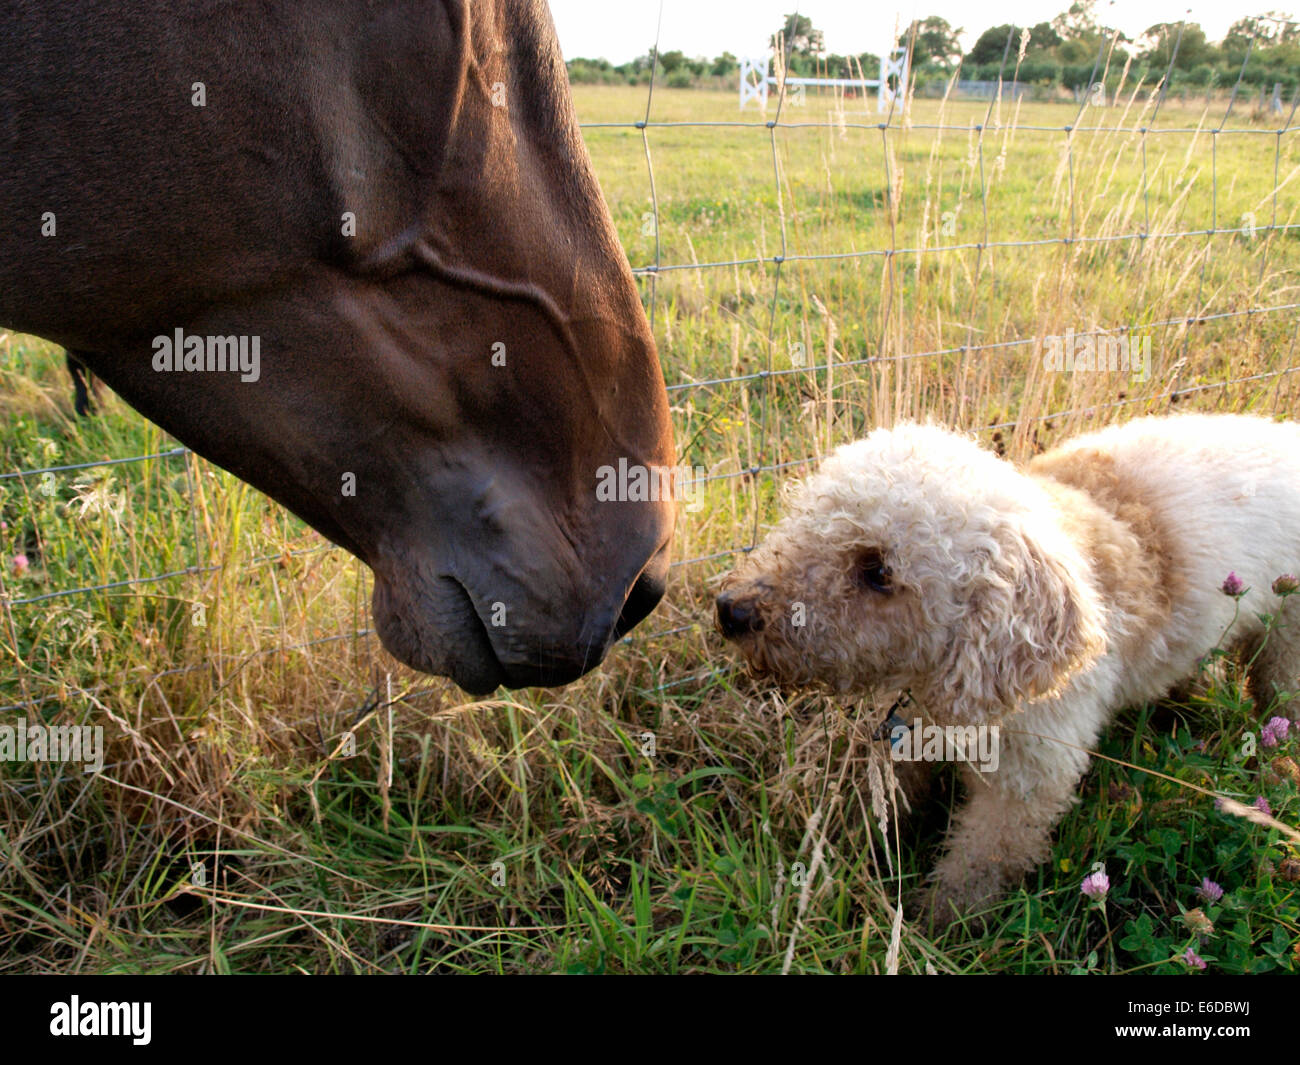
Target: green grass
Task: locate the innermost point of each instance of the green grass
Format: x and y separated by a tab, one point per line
664	814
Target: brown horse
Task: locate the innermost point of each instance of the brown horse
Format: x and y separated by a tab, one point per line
380	219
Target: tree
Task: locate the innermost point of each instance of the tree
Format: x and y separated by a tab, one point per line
724	66
1159	41
1082	38
849	66
1262	30
992	45
670	61
1043	37
933	40
1078	22
800	36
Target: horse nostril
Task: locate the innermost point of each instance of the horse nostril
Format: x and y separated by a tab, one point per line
737	617
643	598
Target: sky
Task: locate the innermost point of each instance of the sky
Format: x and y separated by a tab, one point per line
619	30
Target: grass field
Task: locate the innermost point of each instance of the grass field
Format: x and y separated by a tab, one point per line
280	796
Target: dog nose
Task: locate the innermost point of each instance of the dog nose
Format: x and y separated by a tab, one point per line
737	617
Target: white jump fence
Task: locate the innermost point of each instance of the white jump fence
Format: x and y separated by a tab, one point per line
756	78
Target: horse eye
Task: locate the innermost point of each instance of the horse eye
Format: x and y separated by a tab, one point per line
871	572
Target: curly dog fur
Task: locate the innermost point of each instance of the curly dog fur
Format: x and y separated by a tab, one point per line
1041	599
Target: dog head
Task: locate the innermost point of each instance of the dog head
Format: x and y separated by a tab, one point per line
915	559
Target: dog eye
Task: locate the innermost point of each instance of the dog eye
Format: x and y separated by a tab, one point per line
871	572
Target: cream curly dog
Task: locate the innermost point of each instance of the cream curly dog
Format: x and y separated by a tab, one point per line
1041	599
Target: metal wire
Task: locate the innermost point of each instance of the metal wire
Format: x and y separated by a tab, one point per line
757	457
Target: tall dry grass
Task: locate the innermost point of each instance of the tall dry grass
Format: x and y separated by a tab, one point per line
280	794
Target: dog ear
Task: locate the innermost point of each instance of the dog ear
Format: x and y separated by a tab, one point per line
1031	621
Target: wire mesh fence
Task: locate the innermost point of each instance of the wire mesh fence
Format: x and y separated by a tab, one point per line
980	263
